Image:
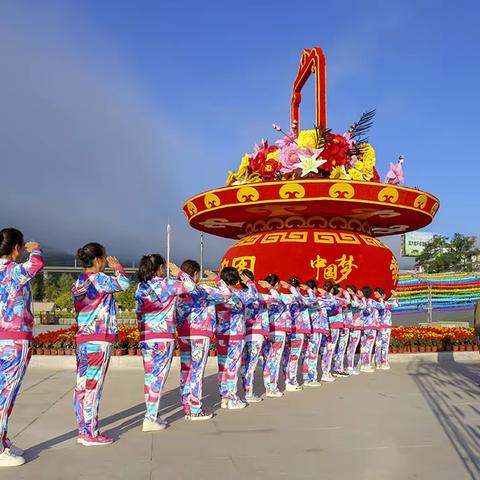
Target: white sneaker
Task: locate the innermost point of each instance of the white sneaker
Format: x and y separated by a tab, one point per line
293	388
9	459
385	366
352	371
253	399
312	384
200	416
328	377
161	421
224	403
274	394
236	404
149	426
13	448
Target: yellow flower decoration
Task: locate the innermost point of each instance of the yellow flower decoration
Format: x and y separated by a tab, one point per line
307	138
273	155
240	176
339	173
368	156
355	174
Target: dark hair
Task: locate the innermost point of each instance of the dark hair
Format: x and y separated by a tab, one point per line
9	239
272	279
367	292
148	266
248	273
335	289
294	282
380	290
230	275
327	286
190	267
352	287
89	252
312	284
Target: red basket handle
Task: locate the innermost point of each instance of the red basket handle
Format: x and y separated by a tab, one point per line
311	61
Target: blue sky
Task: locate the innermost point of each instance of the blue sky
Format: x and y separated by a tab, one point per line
115	112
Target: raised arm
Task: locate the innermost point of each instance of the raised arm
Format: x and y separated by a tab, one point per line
111	284
24	272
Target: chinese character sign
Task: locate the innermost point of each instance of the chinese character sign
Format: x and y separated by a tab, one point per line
337	271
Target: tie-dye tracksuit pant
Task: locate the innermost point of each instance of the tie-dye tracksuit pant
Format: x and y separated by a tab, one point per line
250	356
329	350
382	344
157	359
291	357
341	348
366	347
193	359
14	358
229	355
92	364
272	356
352	348
310	352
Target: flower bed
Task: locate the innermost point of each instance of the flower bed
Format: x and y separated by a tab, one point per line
432	339
403	340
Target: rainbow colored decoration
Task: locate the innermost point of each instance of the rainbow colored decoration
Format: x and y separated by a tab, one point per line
448	290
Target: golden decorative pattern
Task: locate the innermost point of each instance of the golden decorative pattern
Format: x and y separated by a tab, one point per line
388	194
342	190
420	201
337	271
394	269
297	221
292	190
434	209
250	240
211	200
282	237
191	208
247	194
246	262
373	242
334	237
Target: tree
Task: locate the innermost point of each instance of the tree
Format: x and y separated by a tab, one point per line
64	300
126	299
65	283
442	254
38	288
50	290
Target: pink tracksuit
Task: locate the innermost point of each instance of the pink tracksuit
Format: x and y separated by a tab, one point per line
95	307
382	343
16	325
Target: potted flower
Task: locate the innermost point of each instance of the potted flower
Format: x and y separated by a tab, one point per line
395	345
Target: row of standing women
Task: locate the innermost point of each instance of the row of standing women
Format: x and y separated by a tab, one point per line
289	325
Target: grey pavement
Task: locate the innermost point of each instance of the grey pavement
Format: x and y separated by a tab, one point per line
420	420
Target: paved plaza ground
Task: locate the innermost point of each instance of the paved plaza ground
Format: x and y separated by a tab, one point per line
420	420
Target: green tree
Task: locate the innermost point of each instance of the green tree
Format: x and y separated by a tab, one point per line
65	300
442	254
65	283
38	290
126	299
51	290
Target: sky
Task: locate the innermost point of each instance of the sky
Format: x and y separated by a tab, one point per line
113	113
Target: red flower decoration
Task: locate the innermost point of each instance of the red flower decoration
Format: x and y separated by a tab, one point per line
335	151
269	169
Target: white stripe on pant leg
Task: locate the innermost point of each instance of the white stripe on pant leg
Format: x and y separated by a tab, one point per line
21	365
98	390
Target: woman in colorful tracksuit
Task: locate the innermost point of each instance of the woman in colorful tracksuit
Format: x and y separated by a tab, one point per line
344	335
334	305
231	335
16	324
95	309
311	348
382	343
257	329
280	323
301	327
155	305
370	325
196	319
357	308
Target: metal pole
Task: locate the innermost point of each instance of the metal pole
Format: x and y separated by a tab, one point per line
430	307
201	255
168	251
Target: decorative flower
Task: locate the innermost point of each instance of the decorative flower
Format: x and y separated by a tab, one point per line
335	151
288	157
339	173
240	176
309	164
270	168
307	138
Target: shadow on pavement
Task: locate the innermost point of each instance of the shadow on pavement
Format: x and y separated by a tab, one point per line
452	392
